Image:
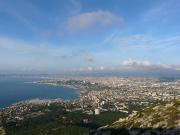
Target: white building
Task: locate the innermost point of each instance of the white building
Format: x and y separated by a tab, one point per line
97	111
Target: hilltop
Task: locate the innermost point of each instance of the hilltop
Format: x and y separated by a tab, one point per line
161	119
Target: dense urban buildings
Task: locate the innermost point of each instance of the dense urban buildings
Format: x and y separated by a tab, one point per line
100	94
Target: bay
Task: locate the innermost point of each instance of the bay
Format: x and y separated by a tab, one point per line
14	89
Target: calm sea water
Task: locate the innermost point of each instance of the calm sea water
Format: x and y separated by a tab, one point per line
14	89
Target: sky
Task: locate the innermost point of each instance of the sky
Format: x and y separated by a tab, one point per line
89	35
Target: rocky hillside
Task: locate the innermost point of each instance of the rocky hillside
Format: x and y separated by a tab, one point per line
161	119
2	132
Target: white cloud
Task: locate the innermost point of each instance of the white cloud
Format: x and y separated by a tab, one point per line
97	18
133	62
90	68
147	65
101	68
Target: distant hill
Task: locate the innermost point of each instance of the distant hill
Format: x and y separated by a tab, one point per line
161	119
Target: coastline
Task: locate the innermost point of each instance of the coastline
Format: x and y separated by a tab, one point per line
37	100
57	85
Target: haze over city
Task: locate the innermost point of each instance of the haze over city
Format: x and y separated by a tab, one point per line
82	35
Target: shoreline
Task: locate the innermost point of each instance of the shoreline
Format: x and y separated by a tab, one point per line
65	86
37	101
45	100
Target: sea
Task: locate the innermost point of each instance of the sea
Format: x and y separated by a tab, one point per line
15	89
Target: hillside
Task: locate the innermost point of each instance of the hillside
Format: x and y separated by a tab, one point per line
2	132
161	119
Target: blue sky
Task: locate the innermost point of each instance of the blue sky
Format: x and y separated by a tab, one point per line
89	35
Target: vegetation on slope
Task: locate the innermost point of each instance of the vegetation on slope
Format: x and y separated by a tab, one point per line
161	119
161	116
57	121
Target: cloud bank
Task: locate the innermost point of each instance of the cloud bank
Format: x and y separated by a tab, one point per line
133	62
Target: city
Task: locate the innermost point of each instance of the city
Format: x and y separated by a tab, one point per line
98	94
89	67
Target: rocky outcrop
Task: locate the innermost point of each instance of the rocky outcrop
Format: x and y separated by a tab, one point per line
2	132
161	119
